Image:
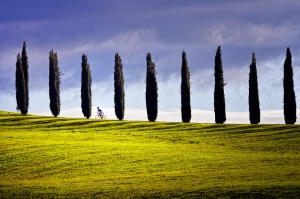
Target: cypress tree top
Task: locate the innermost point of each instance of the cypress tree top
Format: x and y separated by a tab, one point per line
149	60
25	64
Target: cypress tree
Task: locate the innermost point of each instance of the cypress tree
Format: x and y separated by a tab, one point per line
289	98
20	86
86	92
185	90
254	110
54	84
219	96
119	88
151	89
25	67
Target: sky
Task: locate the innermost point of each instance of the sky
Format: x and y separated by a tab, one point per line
165	28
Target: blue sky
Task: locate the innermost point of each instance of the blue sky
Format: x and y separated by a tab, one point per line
165	28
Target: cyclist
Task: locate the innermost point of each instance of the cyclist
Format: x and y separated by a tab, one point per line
100	112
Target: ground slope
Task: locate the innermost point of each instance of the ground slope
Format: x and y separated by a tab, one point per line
48	157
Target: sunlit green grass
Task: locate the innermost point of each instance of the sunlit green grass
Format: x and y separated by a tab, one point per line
46	157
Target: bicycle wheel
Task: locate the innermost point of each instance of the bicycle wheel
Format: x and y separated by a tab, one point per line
97	116
104	117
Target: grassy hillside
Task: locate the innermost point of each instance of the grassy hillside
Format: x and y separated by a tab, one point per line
49	157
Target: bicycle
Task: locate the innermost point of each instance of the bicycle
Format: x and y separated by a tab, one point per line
98	116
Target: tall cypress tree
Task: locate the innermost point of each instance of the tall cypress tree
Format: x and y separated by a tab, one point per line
119	88
289	98
219	96
25	67
254	110
20	87
151	90
86	92
185	90
54	84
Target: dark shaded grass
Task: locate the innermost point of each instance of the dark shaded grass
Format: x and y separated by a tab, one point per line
289	192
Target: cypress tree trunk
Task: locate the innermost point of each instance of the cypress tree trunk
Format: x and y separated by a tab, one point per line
254	110
86	92
219	96
20	87
119	88
25	68
54	84
185	90
151	90
289	98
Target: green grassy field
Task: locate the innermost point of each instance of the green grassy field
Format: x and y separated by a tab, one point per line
46	157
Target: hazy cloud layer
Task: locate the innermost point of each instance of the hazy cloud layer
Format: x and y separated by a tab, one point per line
174	115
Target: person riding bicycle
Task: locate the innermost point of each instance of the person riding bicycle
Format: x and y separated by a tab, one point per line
100	112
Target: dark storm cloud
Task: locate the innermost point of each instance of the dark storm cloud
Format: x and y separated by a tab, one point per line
176	20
